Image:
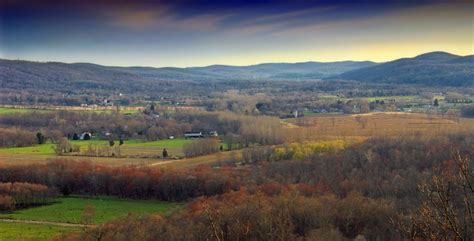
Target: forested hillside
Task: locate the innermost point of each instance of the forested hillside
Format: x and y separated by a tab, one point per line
434	69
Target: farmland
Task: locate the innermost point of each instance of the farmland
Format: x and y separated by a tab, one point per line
373	125
70	210
132	151
321	127
122	171
15	231
9	110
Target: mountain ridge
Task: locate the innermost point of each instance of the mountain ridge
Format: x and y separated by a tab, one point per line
433	68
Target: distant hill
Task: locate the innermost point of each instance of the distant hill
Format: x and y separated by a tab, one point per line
17	74
434	69
284	71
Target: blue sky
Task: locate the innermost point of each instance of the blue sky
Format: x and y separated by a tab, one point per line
197	33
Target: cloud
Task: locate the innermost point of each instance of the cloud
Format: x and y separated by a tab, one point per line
162	17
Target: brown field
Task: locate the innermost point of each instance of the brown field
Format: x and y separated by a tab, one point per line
234	155
24	159
374	124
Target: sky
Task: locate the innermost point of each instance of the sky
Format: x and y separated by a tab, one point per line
186	33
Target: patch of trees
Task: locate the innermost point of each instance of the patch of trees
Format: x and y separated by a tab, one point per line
22	194
300	151
73	177
447	200
15	137
201	147
64	146
72	124
389	168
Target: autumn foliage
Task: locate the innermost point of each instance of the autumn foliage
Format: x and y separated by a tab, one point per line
23	194
74	177
245	216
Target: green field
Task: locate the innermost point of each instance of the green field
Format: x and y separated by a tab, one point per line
70	209
16	231
9	110
169	143
394	97
131	147
371	99
6	110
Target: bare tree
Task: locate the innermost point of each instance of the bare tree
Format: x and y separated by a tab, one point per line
446	212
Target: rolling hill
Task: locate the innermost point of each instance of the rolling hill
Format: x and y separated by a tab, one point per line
433	69
17	71
436	68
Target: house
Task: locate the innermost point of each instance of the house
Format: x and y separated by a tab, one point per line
85	136
193	134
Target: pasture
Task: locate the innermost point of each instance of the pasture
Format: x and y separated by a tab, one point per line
70	209
7	109
131	152
36	232
10	110
371	99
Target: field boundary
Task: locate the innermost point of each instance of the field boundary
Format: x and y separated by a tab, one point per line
77	225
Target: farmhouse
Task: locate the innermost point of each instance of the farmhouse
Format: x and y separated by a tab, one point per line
85	136
193	134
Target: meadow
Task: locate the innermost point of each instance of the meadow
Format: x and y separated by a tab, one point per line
133	150
371	99
70	210
10	110
103	109
36	232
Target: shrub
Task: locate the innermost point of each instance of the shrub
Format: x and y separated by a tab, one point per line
6	203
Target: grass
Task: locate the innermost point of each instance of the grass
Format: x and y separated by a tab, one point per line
133	152
70	209
7	110
131	146
17	231
370	99
169	143
391	97
45	149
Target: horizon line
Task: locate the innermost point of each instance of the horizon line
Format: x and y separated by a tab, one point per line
218	64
